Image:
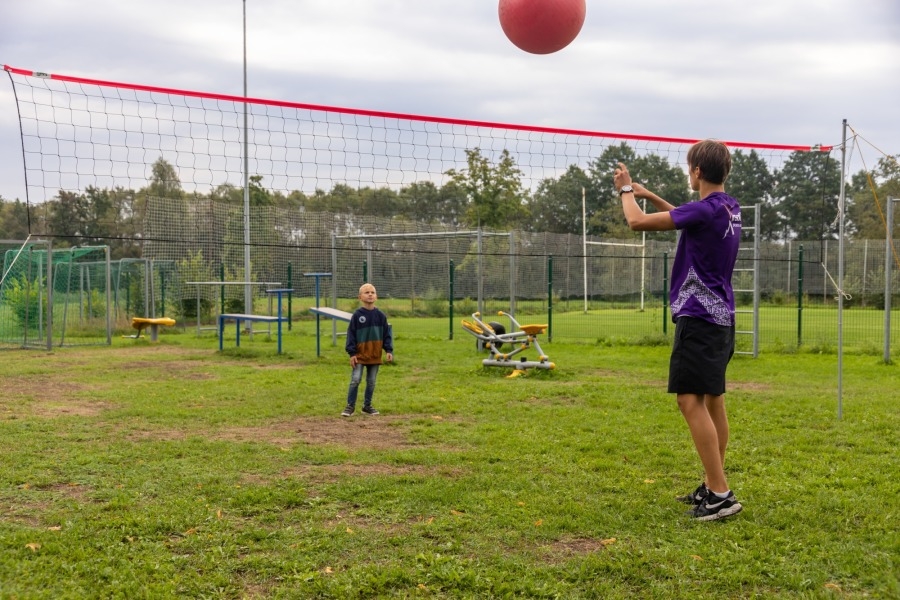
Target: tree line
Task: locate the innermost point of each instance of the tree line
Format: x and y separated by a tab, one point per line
798	201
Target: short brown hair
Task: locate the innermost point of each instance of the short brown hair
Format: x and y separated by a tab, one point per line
713	158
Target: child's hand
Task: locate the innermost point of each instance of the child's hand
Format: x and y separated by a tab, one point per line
389	357
353	361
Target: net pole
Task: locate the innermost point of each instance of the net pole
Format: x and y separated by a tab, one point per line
840	323
248	292
887	279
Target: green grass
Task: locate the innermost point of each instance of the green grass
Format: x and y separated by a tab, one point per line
171	470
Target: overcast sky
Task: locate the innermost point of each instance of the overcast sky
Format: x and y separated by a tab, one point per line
771	71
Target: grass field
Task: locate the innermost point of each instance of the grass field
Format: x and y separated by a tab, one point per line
171	470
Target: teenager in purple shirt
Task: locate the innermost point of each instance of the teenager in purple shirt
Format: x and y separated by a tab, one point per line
702	302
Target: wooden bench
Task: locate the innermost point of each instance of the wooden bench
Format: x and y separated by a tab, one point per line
242	317
141	323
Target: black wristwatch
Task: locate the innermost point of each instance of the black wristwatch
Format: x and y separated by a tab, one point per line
625	189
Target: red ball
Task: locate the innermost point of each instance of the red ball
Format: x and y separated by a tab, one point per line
541	26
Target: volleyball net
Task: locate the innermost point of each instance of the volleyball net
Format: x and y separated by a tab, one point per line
164	174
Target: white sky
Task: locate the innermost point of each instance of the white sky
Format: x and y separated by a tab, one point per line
772	71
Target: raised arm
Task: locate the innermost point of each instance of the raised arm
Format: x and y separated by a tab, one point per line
637	219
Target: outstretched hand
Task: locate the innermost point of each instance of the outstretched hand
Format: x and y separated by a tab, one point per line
621	176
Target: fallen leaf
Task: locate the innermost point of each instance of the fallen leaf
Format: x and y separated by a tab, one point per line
608	542
329	570
456	512
649	481
219	514
54	528
539	522
25	486
191	531
421	586
833	586
520	504
33	546
695	557
349	530
430	520
436	418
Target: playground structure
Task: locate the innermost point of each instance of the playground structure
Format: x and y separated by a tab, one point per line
153	325
493	336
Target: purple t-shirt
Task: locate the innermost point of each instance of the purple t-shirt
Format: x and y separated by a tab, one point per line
704	259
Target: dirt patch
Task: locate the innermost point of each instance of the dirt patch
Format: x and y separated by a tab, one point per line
748	386
567	548
47	397
328	473
373	433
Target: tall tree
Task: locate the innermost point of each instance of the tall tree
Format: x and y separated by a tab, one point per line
424	201
557	204
494	192
164	180
751	182
806	195
868	196
13	220
652	170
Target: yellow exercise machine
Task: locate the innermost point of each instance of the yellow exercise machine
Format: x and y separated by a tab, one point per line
494	336
141	323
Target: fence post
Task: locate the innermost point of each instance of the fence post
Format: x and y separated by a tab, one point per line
888	267
162	285
365	271
452	271
290	286
800	297
247	309
550	298
665	312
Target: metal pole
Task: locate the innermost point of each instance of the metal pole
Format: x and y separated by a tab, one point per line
800	297
643	257
888	268
584	248
550	298
665	310
512	272
840	322
451	298
248	292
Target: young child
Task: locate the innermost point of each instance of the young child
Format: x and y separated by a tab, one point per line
702	302
367	336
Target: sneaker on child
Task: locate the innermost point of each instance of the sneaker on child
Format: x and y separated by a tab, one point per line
347	411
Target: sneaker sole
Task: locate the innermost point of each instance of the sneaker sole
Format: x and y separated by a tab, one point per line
725	512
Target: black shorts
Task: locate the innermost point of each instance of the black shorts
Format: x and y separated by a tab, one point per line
700	354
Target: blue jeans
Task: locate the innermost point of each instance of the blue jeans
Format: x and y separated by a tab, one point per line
356	378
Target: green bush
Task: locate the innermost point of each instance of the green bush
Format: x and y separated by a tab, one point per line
24	299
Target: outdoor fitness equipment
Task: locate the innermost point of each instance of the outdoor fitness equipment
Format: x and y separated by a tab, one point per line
494	335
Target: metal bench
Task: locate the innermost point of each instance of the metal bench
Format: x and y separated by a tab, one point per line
243	317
